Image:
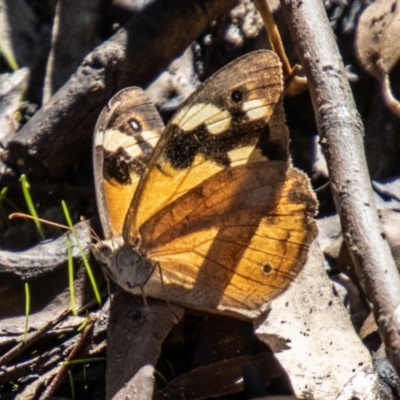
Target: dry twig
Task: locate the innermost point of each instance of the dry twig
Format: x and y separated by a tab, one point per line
32	338
77	352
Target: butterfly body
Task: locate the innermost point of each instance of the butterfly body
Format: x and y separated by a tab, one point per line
123	263
213	215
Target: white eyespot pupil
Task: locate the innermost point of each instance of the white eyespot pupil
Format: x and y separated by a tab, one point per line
237	96
135	125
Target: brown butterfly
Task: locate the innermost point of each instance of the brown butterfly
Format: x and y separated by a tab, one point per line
207	212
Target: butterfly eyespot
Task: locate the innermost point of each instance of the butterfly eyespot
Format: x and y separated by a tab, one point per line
135	125
237	96
267	268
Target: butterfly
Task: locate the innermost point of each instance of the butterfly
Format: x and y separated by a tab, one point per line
207	212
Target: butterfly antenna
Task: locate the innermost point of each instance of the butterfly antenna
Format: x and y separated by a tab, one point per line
50	223
94	235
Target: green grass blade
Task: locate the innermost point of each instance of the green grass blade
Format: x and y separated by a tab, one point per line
27	308
3	215
8	55
3	198
3	193
82	326
171	368
3	201
161	376
71	383
72	303
84	360
30	204
83	255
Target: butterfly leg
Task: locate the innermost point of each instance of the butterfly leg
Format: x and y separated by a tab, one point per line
146	305
158	266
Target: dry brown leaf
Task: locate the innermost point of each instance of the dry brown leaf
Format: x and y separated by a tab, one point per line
223	378
312	337
377	44
377	37
134	339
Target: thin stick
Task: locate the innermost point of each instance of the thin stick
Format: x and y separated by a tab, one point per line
16	350
79	349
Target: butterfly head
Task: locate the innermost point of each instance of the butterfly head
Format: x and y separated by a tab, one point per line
123	263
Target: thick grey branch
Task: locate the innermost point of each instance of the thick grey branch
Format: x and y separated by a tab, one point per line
133	56
341	134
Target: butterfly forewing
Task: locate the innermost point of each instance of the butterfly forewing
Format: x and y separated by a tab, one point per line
225	123
125	136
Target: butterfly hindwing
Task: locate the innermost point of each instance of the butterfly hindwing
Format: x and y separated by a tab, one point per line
236	241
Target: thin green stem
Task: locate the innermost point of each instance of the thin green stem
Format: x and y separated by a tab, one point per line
72	303
30	204
71	383
84	360
83	255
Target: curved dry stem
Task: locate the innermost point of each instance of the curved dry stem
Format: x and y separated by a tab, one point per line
387	94
293	84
